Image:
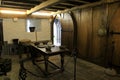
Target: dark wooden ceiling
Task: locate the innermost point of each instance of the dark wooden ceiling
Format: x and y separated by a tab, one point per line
47	5
20	4
59	5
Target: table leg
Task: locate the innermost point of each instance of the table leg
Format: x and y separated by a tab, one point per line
62	62
46	64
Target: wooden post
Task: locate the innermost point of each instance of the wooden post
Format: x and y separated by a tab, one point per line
36	35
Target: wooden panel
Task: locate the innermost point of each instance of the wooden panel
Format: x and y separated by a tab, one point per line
95	38
98	50
91	46
77	17
84	32
115	27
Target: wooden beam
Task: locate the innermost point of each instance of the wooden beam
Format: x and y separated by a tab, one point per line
42	5
68	4
23	16
15	6
110	1
62	7
82	1
21	3
50	9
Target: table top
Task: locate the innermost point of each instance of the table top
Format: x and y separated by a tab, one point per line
54	50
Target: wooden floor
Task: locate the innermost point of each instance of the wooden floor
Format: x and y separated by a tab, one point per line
85	70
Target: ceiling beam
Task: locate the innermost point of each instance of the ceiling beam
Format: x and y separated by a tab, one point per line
19	7
110	1
23	16
21	3
51	9
67	4
59	6
82	1
42	5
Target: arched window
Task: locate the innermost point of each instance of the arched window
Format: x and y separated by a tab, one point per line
57	33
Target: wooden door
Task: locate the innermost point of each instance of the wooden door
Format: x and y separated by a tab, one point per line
67	31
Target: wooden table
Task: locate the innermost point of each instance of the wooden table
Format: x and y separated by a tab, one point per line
46	54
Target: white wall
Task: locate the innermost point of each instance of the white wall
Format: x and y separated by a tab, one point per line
17	29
